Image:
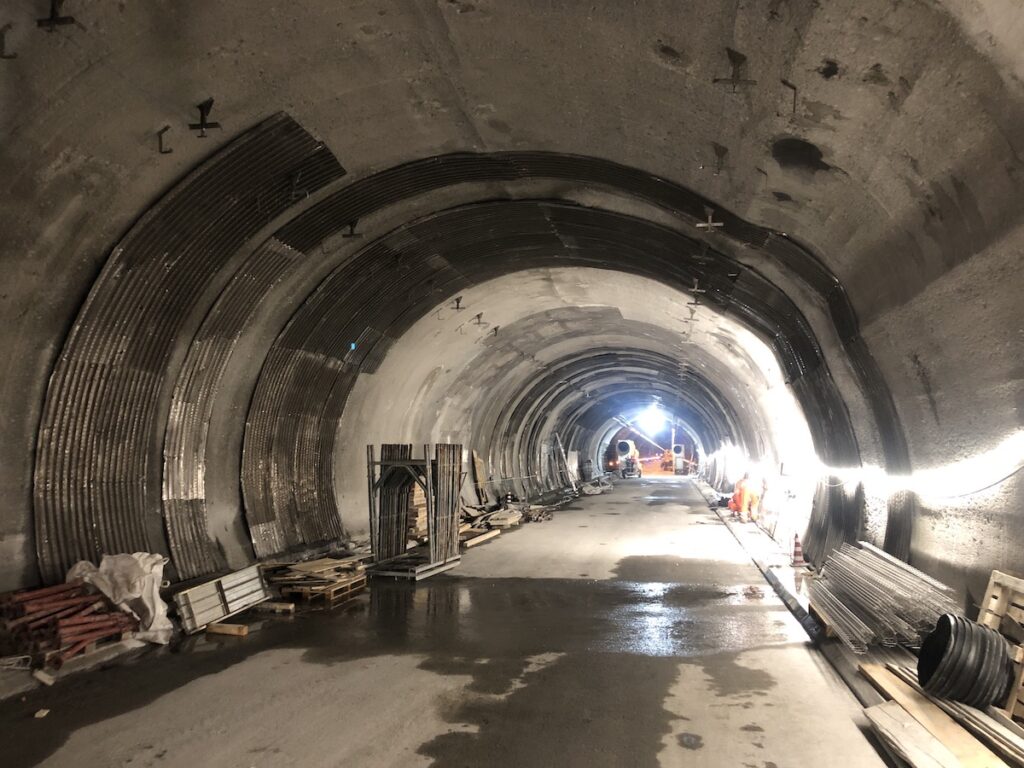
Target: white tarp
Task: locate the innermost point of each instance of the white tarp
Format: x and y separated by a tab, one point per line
132	582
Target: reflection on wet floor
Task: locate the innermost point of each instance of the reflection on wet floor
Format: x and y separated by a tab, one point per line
525	616
546	658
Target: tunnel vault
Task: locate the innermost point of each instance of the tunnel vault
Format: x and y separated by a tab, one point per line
125	447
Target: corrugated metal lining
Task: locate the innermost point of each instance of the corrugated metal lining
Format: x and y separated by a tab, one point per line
579	392
334	213
98	466
616	380
798	353
184	480
384	288
97	476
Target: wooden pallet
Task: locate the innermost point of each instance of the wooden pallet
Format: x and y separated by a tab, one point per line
826	627
1002	609
331	595
414	566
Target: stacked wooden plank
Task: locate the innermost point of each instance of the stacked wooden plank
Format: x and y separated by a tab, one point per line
1002	609
918	730
416	518
1002	736
215	600
328	581
53	624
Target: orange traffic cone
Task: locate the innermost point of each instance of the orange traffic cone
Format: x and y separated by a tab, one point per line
798	553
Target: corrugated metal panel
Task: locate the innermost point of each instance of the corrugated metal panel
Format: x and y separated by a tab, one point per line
97	476
184	481
379	292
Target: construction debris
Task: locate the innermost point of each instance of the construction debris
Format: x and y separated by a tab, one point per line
132	583
537	514
504	518
598	485
53	624
328	581
44	677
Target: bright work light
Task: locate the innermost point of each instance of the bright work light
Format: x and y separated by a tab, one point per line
652	420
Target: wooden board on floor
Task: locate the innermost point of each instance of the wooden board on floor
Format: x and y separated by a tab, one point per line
1005	741
911	740
968	750
235	630
472	537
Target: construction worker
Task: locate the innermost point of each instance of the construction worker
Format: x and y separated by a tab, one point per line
666	460
739	501
745	502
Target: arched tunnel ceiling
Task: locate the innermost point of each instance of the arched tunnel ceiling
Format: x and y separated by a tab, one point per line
578	346
883	139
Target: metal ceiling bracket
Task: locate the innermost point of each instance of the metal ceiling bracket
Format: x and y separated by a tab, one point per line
3	42
55	20
164	149
204	113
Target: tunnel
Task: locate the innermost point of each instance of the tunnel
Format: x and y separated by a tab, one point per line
242	245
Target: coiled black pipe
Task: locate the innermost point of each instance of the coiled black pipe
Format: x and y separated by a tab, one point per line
966	662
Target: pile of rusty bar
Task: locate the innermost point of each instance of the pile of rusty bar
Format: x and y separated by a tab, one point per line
898	603
443	523
53	624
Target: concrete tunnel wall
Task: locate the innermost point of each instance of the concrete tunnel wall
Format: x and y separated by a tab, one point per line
893	167
450	377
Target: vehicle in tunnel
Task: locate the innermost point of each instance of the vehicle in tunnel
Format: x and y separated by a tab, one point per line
628	459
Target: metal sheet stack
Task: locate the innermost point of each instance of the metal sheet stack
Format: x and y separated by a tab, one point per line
215	600
867	596
443	523
388	531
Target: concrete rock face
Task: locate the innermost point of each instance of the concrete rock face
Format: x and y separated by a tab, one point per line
201	342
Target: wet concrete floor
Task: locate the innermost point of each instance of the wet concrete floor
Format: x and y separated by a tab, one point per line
622	633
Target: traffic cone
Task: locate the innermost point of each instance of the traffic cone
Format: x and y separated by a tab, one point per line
798	553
